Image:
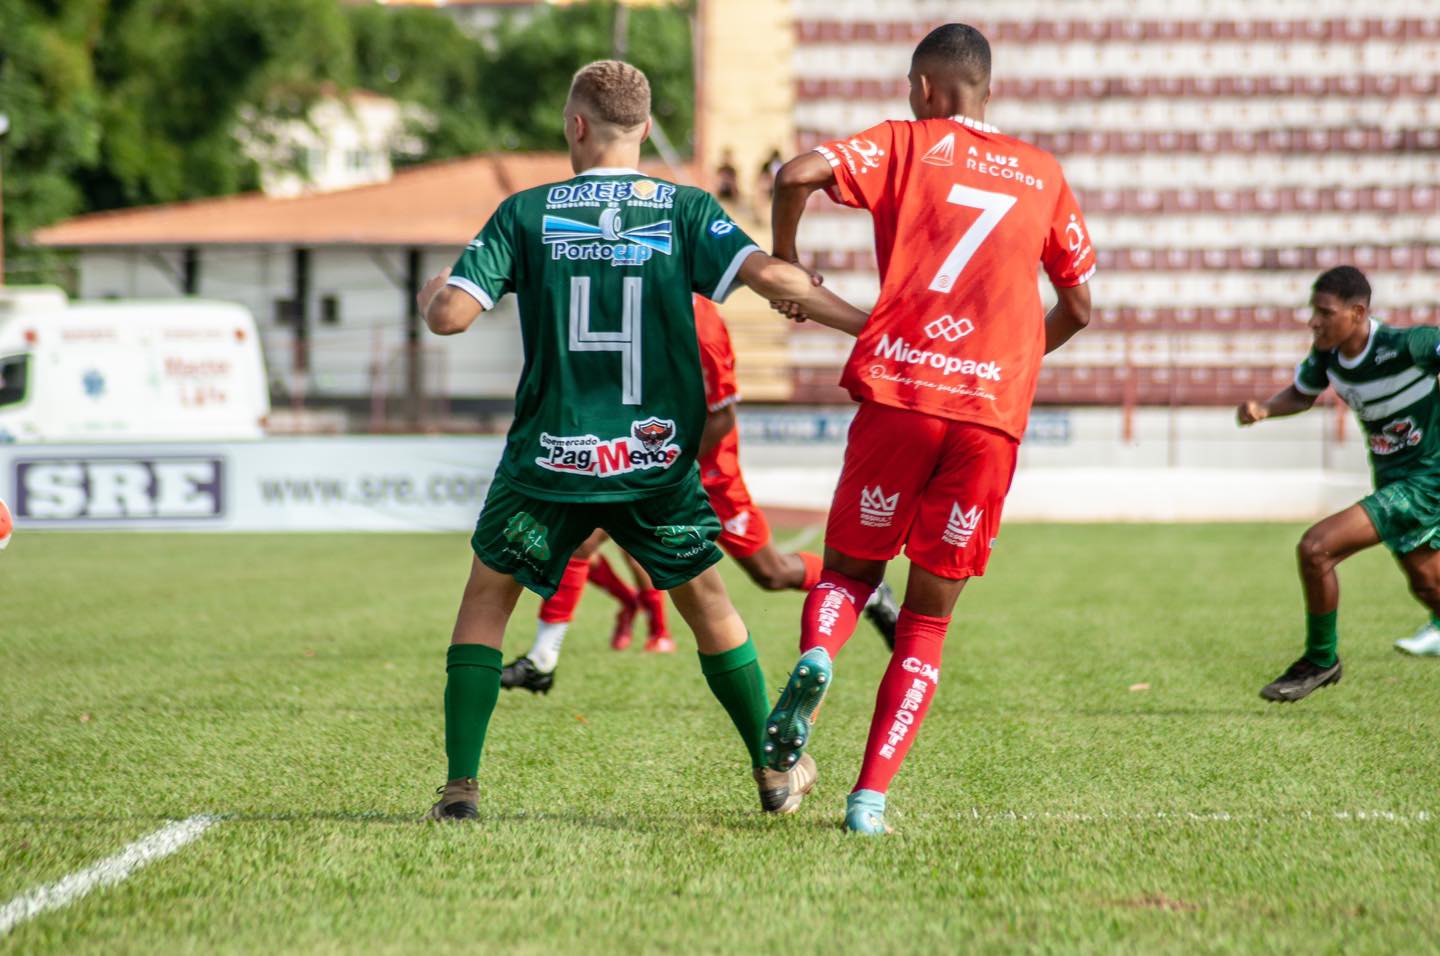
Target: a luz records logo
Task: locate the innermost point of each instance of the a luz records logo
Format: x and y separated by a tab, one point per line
942	153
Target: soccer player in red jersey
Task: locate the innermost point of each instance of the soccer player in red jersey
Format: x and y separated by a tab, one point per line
944	371
744	535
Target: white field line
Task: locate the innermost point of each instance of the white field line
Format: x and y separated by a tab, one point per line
799	539
107	872
1190	816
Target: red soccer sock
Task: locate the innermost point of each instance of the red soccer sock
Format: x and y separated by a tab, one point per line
653	602
905	694
814	567
604	576
561	608
831	610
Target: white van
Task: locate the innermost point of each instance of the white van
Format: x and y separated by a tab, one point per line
127	370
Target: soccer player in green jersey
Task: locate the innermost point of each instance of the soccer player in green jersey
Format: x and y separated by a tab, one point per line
609	410
1387	376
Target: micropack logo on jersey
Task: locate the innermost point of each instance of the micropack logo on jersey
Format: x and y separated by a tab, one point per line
600	192
648	446
902	352
607	240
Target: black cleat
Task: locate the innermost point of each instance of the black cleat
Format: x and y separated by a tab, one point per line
883	612
1300	681
522	672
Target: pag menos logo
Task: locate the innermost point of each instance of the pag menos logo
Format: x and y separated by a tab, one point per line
109	489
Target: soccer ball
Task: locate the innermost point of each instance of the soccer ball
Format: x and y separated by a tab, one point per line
7	524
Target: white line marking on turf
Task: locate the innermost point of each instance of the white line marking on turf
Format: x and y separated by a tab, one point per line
107	872
1190	816
799	539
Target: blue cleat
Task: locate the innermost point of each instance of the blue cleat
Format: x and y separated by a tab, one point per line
865	813
787	731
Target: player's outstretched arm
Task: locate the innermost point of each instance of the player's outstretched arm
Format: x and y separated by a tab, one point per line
1289	401
1070	314
781	281
448	310
794	184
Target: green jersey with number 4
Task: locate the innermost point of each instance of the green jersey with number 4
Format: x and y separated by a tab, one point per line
611	400
1391	388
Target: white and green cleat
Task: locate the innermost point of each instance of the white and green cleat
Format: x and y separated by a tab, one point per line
865	813
1423	643
787	730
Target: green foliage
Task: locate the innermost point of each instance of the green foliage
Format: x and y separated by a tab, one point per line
528	77
127	102
508	92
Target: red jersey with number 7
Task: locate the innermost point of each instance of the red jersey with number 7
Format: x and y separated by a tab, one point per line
963	217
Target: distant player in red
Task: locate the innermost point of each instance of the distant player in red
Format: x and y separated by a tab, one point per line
944	370
745	535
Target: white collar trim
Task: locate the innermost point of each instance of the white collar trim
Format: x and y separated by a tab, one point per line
974	124
609	171
1352	363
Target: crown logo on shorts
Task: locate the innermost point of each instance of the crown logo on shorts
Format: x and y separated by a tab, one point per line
876	510
962	524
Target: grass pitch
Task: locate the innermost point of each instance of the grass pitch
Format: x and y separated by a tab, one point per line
292	683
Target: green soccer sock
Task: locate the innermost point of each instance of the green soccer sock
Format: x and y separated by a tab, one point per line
738	683
1321	639
472	685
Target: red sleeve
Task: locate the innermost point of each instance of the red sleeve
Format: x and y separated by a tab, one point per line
861	164
1069	255
717	358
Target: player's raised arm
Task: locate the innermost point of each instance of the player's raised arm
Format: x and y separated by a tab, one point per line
1288	401
781	281
794	184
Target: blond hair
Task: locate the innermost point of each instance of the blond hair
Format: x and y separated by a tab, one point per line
612	92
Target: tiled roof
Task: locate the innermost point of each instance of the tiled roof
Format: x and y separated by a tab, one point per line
437	204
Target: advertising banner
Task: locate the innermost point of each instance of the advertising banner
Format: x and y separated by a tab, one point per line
301	484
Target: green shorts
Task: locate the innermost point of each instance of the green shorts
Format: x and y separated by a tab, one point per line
1406	513
671	534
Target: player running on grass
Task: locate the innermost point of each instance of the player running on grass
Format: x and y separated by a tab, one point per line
944	370
1388	377
609	408
744	535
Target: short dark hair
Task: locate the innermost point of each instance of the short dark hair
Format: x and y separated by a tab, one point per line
612	91
1346	283
959	48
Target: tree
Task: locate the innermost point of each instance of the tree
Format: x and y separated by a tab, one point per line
48	92
527	77
127	102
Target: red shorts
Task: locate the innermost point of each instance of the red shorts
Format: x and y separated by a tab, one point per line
933	484
745	528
